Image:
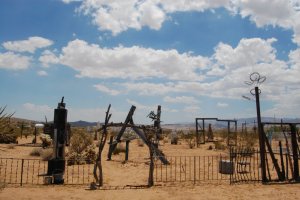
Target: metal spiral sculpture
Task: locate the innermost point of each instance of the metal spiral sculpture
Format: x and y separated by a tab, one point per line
255	79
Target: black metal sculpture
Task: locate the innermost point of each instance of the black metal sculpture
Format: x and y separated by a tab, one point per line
56	166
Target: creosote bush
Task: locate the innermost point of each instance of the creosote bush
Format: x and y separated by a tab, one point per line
46	140
81	149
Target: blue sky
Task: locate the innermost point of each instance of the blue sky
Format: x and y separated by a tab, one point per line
191	57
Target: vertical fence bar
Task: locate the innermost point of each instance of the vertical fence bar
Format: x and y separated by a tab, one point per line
194	169
78	181
199	168
171	163
32	177
231	163
190	170
37	182
166	171
5	170
17	171
180	168
155	170
161	171
83	173
185	168
11	169
175	168
22	168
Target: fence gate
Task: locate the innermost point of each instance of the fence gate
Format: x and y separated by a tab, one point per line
244	165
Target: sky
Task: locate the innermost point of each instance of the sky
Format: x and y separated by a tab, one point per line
192	57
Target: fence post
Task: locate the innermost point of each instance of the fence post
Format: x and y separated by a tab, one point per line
127	150
194	169
22	166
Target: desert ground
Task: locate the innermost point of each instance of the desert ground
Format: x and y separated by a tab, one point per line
135	172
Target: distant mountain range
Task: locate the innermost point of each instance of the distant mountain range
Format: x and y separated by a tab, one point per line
186	125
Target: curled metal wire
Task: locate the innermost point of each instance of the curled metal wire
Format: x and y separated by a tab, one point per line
252	91
255	78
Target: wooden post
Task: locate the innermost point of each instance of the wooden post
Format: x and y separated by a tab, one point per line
281	160
110	147
262	146
151	167
197	132
295	152
127	150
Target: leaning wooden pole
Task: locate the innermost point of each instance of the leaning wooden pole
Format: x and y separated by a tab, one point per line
98	164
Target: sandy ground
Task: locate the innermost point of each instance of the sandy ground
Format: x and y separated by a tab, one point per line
209	191
135	172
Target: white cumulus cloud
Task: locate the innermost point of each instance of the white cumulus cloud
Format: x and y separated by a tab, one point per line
119	15
135	62
103	88
47	58
42	73
29	45
181	99
12	61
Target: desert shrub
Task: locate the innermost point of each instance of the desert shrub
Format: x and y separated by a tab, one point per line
8	136
174	138
165	140
46	140
75	158
119	149
90	154
81	149
189	137
36	152
219	145
128	134
7	133
46	154
79	142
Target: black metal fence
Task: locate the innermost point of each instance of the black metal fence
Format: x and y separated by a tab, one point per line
32	172
239	166
245	165
191	169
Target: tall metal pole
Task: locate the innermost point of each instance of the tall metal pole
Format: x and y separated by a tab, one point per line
261	138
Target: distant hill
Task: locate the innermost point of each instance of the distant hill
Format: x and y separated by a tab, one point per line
82	123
